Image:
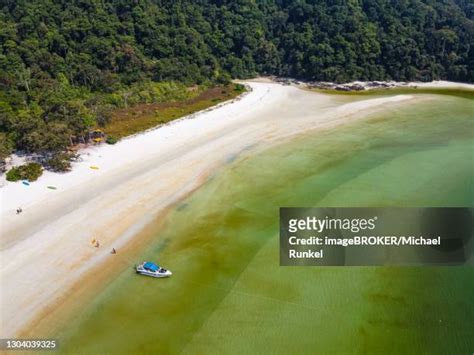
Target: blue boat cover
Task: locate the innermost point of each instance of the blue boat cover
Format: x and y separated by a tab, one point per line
151	266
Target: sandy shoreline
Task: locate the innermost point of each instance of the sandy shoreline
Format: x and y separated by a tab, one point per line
47	249
374	85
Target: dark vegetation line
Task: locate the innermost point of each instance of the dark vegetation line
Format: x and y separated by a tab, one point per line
67	66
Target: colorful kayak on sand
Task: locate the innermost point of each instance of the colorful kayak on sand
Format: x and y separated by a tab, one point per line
94	167
24	182
52	187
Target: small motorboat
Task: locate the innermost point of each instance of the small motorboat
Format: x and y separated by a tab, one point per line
153	270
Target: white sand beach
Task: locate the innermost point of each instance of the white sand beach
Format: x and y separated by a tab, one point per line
442	84
47	248
374	85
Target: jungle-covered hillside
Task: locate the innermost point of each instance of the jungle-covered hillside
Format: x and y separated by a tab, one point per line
65	66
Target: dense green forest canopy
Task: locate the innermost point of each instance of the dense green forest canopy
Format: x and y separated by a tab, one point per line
64	63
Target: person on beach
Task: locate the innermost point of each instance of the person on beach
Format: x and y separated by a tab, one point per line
113	251
19	210
97	244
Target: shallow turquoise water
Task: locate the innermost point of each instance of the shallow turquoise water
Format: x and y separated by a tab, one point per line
228	293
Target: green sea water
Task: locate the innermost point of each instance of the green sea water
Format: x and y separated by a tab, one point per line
228	294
